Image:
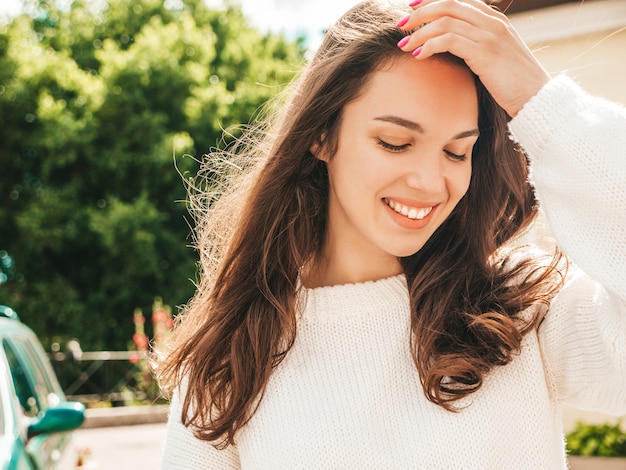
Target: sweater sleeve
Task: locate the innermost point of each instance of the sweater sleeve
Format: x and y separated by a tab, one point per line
577	148
183	451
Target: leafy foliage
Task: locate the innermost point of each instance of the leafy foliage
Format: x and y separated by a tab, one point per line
600	440
94	102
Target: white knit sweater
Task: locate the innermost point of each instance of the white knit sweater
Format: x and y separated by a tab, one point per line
348	395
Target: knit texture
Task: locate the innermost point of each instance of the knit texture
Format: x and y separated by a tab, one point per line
348	396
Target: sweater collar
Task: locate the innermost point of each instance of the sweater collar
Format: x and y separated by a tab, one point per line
355	299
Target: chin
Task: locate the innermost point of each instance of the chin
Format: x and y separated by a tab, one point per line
406	252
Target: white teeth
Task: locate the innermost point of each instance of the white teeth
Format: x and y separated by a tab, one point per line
410	212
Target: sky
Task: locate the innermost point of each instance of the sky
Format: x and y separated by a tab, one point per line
291	17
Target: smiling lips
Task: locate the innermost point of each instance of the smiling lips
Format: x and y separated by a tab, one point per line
410	212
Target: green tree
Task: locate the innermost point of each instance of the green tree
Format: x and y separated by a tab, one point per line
95	104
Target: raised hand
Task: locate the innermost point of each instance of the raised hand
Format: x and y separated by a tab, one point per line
484	38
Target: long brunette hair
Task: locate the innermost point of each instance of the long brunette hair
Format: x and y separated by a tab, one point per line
467	301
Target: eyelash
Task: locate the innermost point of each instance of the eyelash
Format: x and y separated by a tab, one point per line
392	148
454	156
400	148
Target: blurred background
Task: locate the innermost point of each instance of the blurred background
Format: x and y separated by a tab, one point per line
105	108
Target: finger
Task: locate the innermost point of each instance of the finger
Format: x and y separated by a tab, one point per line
482	5
416	3
445	27
455	44
473	11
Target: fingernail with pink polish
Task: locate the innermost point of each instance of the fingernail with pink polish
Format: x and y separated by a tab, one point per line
414	3
417	52
403	41
403	21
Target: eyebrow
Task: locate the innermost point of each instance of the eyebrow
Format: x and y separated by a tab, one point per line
416	127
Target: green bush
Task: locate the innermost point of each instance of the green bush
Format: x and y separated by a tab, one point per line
97	99
601	440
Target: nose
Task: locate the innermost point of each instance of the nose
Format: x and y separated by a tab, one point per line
425	173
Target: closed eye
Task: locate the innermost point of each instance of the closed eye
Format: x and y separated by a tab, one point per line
455	156
391	147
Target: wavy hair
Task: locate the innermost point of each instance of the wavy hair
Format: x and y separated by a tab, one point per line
467	301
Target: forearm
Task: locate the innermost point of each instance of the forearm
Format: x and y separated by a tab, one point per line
577	147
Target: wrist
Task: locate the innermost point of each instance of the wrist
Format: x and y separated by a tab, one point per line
531	87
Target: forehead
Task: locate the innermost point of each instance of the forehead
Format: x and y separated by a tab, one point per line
430	90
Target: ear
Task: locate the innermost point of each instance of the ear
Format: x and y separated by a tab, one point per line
318	151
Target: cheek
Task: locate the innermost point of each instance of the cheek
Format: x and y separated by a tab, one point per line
468	179
462	180
359	169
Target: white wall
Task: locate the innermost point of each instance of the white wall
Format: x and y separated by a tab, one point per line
587	39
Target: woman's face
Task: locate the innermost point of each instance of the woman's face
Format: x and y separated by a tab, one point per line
404	160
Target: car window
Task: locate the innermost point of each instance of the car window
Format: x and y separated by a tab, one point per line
33	386
25	392
47	385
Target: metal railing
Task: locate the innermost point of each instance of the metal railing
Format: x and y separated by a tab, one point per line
117	377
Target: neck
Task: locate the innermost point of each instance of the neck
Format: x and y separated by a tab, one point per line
334	268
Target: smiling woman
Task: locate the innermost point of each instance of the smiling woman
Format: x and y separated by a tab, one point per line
363	301
396	161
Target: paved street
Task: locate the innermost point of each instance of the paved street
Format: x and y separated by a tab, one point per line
122	448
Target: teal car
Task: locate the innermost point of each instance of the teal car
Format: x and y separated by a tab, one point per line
34	416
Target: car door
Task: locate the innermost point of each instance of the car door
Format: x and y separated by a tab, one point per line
12	452
36	390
